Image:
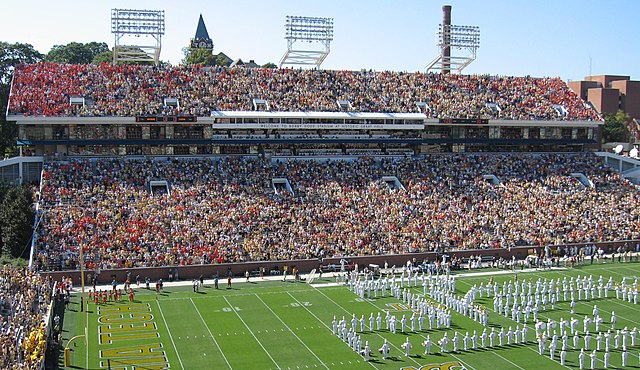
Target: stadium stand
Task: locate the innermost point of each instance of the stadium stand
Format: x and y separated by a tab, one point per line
221	208
48	89
225	209
24	301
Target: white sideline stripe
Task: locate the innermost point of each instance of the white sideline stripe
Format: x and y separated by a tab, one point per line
324	285
503	272
294	334
170	337
322	322
250	331
233	295
211	334
345	310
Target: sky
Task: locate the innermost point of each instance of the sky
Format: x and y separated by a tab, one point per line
566	38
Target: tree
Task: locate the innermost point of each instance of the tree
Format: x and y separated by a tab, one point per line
269	65
615	126
198	56
103	57
76	52
13	54
16	221
8	137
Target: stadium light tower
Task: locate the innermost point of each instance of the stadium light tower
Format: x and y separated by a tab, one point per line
137	23
463	38
308	40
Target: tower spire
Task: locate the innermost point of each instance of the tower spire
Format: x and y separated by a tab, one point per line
201	39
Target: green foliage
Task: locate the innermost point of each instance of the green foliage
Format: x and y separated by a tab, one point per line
269	65
15	262
76	52
103	57
16	221
615	126
10	56
8	137
198	57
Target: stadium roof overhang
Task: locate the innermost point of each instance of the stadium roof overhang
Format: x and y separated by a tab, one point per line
364	116
318	115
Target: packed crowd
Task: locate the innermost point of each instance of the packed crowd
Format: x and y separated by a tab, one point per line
24	300
227	210
44	89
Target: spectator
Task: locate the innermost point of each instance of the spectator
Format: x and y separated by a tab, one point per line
44	89
24	299
227	211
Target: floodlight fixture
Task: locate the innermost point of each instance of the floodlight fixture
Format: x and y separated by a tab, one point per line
464	39
137	23
308	40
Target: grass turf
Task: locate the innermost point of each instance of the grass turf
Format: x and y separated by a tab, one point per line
287	325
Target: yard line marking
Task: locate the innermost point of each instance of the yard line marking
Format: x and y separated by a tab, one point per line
170	336
345	310
526	346
554	360
250	331
211	334
450	353
509	361
606	299
628	305
532	349
588	303
322	322
294	334
299	289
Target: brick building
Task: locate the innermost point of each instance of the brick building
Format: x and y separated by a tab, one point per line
609	93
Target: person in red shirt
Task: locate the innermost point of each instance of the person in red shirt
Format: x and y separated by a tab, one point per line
131	294
228	282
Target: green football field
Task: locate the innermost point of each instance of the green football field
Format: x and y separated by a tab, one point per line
287	325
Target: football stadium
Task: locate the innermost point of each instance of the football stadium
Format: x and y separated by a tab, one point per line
296	217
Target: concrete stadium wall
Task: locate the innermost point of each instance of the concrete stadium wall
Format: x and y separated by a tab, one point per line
238	269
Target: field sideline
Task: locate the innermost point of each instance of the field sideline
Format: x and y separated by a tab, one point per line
287	325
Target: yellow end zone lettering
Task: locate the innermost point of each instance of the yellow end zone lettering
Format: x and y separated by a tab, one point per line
108	338
137	307
139	363
125	318
399	306
145	350
454	365
127	328
126	322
